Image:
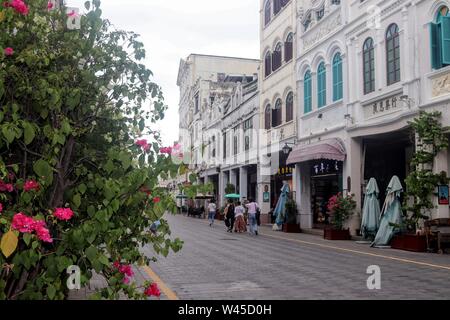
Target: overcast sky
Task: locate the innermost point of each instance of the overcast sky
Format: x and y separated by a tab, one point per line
171	30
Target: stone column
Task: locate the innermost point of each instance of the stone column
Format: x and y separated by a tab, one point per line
296	179
243	182
306	215
263	184
353	169
223	180
233	178
441	164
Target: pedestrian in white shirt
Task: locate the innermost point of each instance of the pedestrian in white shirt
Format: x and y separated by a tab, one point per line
252	210
211	212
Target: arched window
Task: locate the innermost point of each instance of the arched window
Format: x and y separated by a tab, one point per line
276	57
267	12
393	54
276	6
369	66
268	64
276	113
267	115
337	77
289	47
321	85
307	92
440	39
289	107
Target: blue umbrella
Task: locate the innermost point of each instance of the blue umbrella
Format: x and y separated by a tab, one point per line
233	196
280	209
391	214
371	210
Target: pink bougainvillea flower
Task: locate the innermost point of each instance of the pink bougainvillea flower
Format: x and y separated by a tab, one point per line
26	224
31	185
72	14
143	144
126	270
43	234
126	280
63	213
145	190
19	6
152	290
23	223
49	5
8	51
116	264
1	208
6	187
166	150
156	199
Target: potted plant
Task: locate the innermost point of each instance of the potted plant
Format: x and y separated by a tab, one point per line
291	225
422	182
341	209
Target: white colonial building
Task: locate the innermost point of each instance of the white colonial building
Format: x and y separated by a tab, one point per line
207	83
364	69
277	87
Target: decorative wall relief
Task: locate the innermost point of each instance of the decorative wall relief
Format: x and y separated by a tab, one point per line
325	30
441	85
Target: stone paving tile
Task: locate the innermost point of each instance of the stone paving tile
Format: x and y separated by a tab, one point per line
214	264
290	270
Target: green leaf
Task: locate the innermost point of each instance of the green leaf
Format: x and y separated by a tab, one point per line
91	211
82	188
8	133
29	133
27	238
87	5
103	259
43	169
76	200
51	291
109	166
91	254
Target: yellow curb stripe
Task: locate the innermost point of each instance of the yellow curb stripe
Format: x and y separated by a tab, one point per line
364	253
162	286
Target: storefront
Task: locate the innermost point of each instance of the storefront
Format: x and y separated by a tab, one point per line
319	168
386	155
326	181
284	173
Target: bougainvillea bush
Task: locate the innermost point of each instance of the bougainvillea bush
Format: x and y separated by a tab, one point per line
79	165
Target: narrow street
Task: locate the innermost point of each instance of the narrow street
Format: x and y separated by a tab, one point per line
214	264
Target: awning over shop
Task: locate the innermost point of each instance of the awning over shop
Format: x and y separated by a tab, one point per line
331	149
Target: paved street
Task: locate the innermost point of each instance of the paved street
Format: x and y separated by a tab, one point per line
214	264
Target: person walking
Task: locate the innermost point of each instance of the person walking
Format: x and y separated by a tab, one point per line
252	210
239	221
229	215
211	212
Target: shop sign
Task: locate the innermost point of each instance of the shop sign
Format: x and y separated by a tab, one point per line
285	171
383	106
326	167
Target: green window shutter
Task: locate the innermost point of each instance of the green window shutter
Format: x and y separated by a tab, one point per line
435	46
445	44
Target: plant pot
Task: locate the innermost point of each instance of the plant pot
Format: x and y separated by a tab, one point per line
409	242
291	228
336	234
